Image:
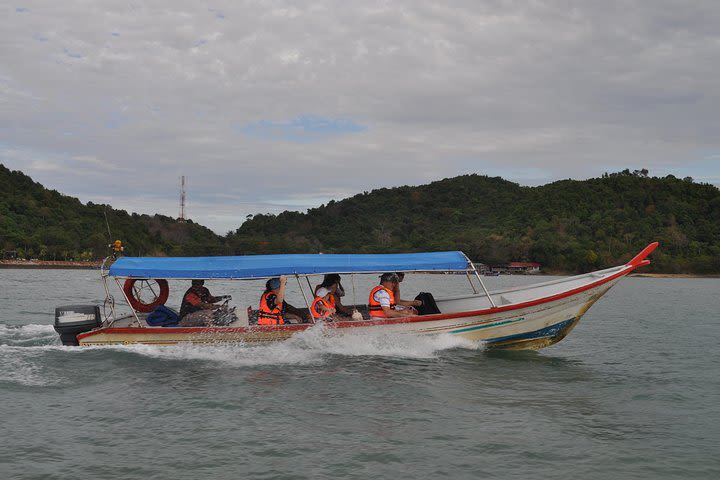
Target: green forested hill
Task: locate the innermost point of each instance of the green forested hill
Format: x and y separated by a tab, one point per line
39	223
567	225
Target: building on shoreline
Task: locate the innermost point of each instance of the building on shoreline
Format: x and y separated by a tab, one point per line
521	268
35	263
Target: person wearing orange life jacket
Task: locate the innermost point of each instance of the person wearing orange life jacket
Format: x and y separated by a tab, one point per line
331	283
322	307
274	310
381	303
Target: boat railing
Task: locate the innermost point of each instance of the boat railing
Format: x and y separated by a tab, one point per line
477	275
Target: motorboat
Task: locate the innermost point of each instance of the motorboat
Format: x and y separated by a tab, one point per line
526	317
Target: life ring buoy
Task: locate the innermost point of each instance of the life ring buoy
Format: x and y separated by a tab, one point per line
133	294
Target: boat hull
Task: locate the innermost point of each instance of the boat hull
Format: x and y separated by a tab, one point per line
531	327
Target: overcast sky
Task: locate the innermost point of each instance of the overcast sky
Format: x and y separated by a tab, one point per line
273	105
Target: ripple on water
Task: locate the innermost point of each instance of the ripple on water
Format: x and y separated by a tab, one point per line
631	393
24	350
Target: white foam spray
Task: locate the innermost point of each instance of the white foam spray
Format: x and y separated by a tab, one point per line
29	335
18	345
19	367
311	346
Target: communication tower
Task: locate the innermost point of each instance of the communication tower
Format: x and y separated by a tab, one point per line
182	199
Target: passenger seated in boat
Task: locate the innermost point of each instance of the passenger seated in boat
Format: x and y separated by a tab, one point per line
322	308
331	283
198	306
382	304
424	303
404	303
274	310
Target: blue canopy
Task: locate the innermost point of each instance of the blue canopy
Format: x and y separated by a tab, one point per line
263	266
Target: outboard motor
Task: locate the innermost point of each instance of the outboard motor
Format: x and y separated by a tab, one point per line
72	320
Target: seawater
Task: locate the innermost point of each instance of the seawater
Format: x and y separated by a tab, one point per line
633	392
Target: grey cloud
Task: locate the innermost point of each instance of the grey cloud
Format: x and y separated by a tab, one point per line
534	91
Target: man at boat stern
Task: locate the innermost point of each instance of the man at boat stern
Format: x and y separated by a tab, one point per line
198	306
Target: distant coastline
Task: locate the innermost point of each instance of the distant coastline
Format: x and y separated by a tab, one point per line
674	275
49	264
566	226
95	265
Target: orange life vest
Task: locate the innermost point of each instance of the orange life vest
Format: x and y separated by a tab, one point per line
374	307
331	301
317	313
267	315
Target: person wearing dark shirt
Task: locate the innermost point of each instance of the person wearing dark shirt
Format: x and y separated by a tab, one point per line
198	305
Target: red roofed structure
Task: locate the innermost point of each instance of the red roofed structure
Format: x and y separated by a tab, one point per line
526	267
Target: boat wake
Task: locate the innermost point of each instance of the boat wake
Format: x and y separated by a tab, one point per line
312	346
19	346
28	335
22	349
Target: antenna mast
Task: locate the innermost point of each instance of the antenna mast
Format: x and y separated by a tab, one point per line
182	199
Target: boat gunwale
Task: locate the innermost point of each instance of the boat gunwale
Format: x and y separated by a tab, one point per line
532	286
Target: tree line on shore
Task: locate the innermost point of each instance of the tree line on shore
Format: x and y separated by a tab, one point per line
44	224
567	226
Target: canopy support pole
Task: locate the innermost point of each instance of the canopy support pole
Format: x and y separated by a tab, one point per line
352	280
477	275
140	324
110	298
467	273
482	284
297	277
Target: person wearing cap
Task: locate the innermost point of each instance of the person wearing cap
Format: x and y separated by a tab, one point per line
274	310
198	305
322	308
331	284
382	303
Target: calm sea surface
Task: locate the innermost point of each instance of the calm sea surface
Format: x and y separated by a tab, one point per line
633	392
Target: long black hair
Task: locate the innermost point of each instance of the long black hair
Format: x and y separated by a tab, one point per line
330	280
